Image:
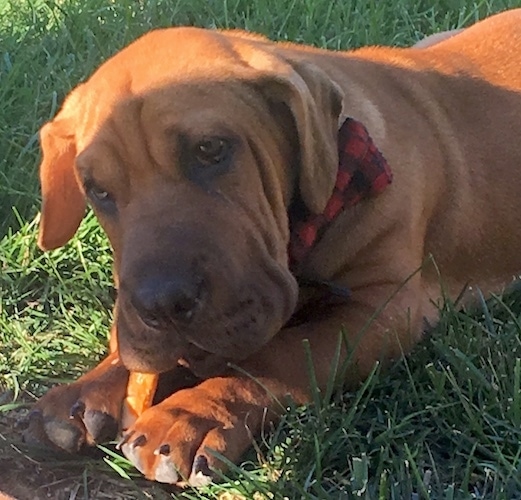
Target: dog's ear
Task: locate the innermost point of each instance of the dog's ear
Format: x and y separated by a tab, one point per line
63	203
315	103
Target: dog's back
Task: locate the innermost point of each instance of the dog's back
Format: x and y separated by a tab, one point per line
491	46
448	119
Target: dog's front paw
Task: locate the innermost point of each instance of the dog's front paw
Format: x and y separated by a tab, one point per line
86	412
173	441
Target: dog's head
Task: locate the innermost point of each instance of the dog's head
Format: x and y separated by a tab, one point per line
190	145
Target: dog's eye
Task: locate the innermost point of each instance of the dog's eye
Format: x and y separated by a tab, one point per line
99	195
101	198
212	151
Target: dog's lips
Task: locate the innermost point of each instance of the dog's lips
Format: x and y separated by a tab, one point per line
136	338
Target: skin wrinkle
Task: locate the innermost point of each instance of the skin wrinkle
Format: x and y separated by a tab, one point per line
224	319
266	210
281	222
268	149
140	120
118	151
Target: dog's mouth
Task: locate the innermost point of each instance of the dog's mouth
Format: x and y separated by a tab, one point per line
155	348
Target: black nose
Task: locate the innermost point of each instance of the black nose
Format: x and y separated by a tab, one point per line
163	299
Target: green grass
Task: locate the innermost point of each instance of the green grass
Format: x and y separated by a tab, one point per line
445	423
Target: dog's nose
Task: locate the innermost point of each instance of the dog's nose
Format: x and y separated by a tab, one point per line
159	300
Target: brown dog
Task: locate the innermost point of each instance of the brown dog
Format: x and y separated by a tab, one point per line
206	154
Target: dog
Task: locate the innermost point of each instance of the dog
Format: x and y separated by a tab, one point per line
260	197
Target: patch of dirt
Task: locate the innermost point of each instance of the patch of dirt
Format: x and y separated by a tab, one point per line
28	475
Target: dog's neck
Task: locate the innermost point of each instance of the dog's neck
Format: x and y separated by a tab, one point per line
362	172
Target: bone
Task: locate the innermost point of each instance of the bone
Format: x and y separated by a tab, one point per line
141	388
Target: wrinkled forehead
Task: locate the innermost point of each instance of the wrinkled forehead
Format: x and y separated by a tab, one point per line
201	104
195	108
159	127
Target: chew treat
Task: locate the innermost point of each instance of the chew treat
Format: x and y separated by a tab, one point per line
141	388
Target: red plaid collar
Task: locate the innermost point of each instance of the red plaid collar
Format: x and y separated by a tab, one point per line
362	172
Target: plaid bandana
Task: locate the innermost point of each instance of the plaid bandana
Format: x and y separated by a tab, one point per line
362	172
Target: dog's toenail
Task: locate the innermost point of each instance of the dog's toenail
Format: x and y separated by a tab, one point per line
164	449
124	440
139	441
101	426
77	409
201	465
201	474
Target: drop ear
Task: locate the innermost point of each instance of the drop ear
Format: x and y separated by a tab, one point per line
63	203
315	103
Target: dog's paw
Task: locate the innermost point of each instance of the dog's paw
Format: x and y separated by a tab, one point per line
70	417
174	442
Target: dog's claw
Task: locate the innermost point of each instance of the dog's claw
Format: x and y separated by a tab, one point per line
201	474
201	465
164	449
77	410
124	440
100	425
139	441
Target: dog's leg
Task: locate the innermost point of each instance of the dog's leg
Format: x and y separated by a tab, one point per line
84	412
170	441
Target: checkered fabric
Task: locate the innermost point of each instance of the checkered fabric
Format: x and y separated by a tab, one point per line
362	172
